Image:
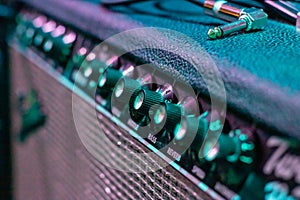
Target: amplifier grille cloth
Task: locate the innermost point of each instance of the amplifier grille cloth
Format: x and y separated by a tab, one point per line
53	163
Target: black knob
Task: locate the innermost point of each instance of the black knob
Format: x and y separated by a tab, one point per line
79	57
109	78
144	100
64	46
191	128
23	22
47	29
167	114
38	23
51	37
25	29
124	90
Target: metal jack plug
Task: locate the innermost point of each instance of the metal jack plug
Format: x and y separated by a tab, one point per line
250	19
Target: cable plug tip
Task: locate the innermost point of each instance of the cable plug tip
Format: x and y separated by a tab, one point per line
214	33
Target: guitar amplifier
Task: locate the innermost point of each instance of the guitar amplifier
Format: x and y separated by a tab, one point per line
122	104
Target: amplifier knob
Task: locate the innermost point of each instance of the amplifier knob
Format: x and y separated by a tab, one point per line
144	100
49	27
65	44
49	44
29	34
38	39
79	57
168	114
125	89
191	126
38	23
69	39
109	78
25	29
59	31
234	147
22	24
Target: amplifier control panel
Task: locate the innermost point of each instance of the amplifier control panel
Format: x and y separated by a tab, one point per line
225	154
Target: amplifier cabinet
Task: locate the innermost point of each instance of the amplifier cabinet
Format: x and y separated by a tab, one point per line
65	97
53	163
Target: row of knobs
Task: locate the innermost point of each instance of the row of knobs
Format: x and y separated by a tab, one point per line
151	107
145	105
53	39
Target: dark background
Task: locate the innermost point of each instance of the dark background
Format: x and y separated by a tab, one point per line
6	16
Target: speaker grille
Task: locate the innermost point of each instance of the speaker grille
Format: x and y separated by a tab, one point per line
54	164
